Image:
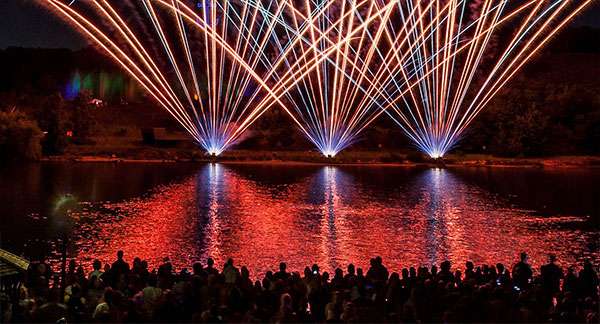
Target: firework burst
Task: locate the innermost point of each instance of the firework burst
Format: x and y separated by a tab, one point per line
474	49
334	66
204	62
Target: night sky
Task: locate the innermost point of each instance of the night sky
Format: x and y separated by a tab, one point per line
24	23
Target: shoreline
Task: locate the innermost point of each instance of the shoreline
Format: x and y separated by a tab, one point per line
304	158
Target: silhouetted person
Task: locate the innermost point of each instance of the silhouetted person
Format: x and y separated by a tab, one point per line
282	274
230	272
210	267
151	294
588	278
382	272
106	311
118	267
198	270
445	272
76	309
97	272
338	279
350	275
52	310
522	272
285	313
551	275
570	283
334	309
315	269
469	271
106	277
372	272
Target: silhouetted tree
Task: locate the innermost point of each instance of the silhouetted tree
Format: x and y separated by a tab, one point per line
82	112
54	120
19	136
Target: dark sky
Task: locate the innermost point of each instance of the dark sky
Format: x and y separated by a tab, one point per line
24	23
27	24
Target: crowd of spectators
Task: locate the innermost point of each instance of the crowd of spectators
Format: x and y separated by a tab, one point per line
487	293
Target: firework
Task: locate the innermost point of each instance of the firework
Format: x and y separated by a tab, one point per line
325	100
333	66
320	74
473	50
339	97
204	62
373	66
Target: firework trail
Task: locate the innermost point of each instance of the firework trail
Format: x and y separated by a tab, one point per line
464	64
204	62
215	66
354	85
334	66
323	98
319	65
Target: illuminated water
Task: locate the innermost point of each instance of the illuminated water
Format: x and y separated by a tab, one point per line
261	215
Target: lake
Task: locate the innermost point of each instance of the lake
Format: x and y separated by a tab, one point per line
262	214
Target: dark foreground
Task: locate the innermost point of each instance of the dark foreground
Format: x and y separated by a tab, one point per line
120	293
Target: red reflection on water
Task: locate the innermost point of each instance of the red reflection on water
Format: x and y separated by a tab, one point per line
328	218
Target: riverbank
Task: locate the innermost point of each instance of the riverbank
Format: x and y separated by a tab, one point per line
187	155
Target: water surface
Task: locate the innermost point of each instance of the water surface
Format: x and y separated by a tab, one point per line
261	215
